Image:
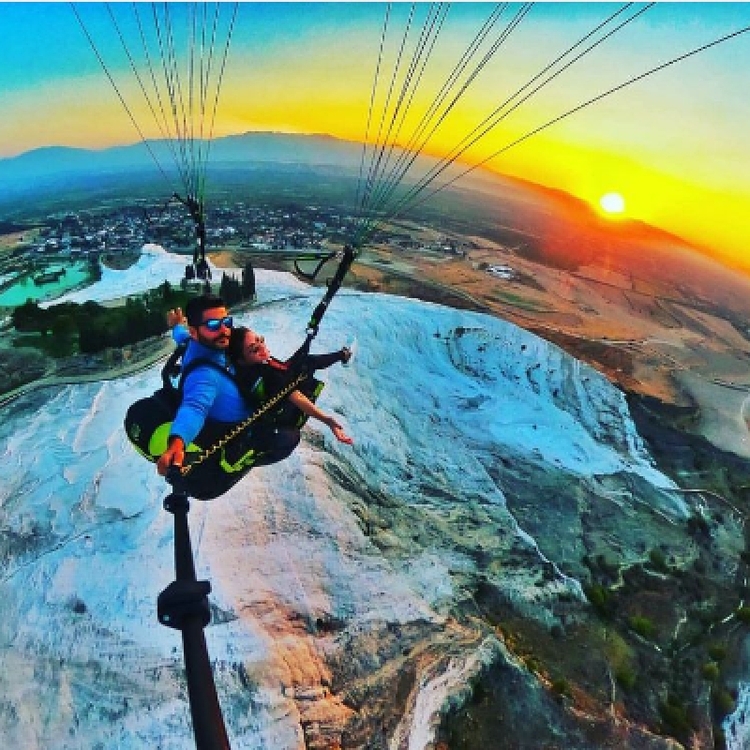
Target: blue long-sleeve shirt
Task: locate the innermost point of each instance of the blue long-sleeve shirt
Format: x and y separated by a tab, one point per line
207	393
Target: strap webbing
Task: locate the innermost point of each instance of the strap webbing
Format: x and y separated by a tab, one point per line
333	286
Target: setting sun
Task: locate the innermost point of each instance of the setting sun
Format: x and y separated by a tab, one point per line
612	203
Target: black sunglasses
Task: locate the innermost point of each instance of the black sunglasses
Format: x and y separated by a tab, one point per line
214	324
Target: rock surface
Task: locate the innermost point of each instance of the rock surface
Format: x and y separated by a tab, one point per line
498	562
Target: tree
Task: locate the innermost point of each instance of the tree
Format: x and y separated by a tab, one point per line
64	326
248	281
29	318
92	335
230	290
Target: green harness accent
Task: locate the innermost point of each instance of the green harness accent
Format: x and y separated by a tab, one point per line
245	461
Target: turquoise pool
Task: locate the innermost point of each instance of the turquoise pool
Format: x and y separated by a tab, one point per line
17	293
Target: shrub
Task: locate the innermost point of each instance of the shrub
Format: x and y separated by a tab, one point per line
710	671
675	716
658	561
723	701
534	664
626	677
717	651
643	626
600	598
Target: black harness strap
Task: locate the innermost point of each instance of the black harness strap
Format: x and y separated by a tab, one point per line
334	285
197	214
311	276
173	368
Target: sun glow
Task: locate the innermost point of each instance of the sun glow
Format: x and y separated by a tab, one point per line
612	204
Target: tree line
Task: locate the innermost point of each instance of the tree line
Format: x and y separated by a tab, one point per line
97	327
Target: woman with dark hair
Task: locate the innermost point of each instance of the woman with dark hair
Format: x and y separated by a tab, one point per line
261	376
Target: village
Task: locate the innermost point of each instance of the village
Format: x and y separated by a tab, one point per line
122	231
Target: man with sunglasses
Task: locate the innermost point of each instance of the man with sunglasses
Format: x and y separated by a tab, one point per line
209	392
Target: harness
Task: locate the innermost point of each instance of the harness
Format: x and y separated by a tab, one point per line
239	428
148	423
173	368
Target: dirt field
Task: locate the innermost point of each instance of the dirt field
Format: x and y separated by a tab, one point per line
14	239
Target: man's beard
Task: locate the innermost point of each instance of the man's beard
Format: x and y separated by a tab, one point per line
220	342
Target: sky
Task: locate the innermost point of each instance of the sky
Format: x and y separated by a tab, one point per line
673	144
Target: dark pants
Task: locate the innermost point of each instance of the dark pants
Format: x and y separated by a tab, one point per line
209	479
274	444
321	361
303	361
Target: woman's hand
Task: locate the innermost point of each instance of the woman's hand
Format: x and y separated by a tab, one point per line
338	432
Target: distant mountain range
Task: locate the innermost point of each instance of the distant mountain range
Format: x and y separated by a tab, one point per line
248	148
35	172
258	164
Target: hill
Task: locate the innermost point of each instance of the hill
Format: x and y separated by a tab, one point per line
496	562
